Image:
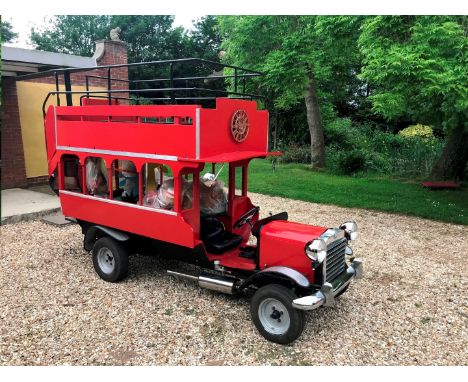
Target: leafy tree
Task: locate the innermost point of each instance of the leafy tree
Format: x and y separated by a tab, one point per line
418	68
71	34
149	38
206	39
7	32
306	59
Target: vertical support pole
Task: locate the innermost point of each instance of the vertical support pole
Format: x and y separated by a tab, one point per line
57	88
235	80
109	84
231	187
116	172
196	190
213	168
110	176
196	200
177	191
61	171
140	186
243	86
244	180
84	188
87	87
171	76
66	77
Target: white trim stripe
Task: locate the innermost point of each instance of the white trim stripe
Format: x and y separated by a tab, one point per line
158	210
268	132
118	153
197	133
55	128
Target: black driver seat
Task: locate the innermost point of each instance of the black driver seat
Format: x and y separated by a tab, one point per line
216	239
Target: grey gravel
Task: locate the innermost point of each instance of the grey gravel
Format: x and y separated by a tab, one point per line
410	309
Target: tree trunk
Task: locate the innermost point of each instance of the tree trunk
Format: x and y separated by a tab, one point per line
317	142
454	157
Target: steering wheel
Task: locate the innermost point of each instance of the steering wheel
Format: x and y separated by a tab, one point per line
246	217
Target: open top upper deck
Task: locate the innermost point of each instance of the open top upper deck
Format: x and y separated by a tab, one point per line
233	130
206	117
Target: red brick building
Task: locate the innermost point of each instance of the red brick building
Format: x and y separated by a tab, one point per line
23	160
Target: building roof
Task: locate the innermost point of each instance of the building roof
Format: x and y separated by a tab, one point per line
22	61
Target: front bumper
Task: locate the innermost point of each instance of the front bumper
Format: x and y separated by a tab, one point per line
326	295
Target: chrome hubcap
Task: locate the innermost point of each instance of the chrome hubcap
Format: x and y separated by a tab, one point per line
106	260
274	316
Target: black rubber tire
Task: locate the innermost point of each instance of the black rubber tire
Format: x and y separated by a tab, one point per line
285	296
120	270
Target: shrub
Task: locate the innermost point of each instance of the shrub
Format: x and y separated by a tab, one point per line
352	161
296	154
419	130
352	148
339	133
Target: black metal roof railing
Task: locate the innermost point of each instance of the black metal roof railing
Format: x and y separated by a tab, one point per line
172	94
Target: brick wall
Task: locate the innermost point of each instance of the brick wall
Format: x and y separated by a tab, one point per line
13	169
114	53
37	180
12	164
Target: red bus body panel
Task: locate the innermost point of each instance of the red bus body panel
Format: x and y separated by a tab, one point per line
283	244
140	220
215	124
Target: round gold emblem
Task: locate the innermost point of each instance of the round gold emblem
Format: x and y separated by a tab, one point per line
239	126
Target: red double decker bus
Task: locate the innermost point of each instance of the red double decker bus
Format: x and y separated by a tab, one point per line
139	168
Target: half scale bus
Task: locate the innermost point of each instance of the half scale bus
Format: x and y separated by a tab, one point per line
140	169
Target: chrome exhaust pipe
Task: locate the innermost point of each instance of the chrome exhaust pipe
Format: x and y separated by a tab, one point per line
216	282
210	281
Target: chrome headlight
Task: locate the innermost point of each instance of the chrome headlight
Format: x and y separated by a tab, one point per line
351	230
316	250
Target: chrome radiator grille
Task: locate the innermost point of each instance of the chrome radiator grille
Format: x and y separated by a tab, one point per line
335	262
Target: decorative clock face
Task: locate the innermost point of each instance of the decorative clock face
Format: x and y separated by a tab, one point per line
239	126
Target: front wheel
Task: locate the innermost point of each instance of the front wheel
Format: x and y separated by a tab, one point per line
110	259
273	315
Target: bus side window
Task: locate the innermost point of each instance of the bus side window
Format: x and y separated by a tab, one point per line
97	177
71	173
125	181
158	186
187	191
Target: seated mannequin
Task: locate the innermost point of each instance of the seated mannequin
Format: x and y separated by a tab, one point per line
96	177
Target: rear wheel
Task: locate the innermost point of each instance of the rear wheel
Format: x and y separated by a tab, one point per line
110	259
273	315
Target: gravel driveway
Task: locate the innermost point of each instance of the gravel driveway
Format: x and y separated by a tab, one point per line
410	309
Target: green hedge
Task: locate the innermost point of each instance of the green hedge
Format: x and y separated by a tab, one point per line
360	148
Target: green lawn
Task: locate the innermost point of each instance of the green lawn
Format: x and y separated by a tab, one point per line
296	181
